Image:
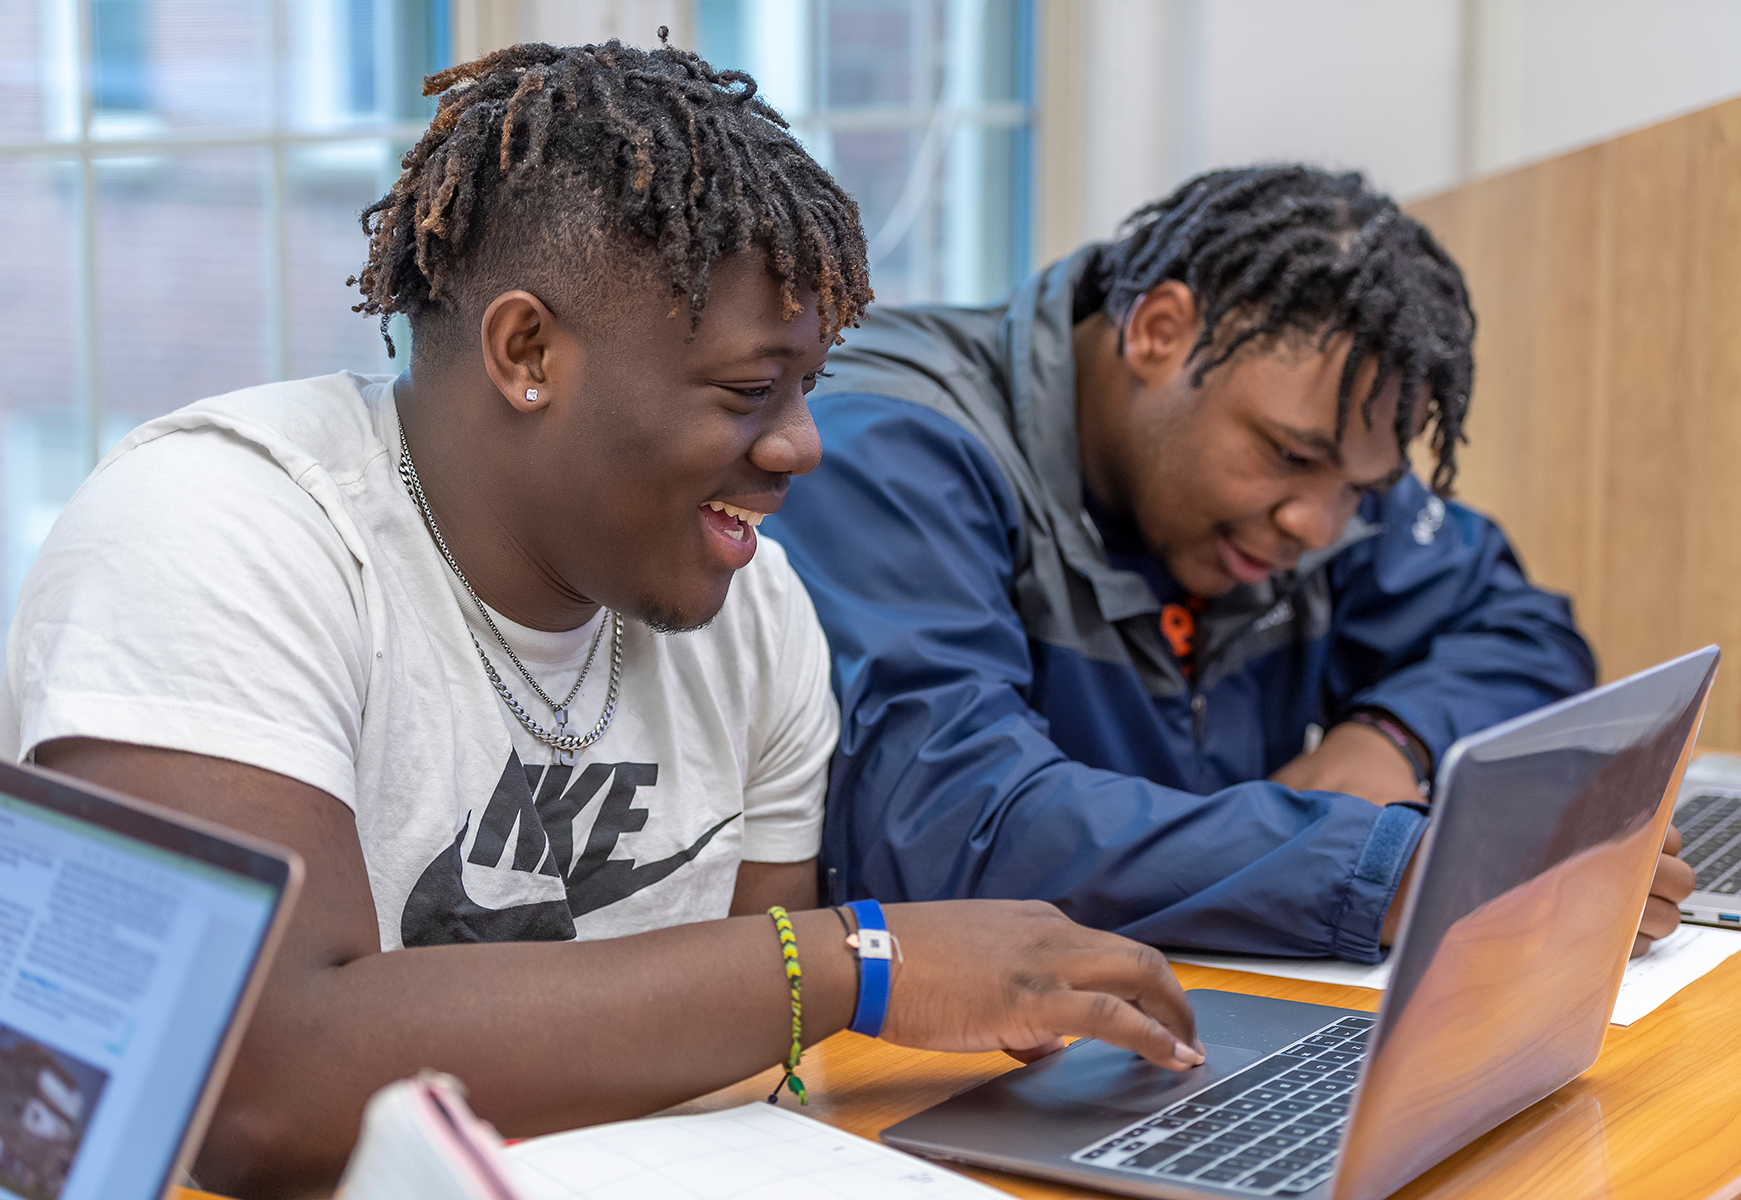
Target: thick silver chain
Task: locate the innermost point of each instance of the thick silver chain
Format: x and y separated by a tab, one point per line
567	745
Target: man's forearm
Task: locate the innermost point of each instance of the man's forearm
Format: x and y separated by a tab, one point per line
1356	760
1253	868
550	1035
545	1036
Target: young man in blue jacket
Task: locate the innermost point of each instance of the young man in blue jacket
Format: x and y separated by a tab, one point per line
1099	565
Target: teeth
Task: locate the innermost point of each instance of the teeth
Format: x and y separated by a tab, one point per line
748	517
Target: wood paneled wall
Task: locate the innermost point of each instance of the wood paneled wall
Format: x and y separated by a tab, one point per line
1605	426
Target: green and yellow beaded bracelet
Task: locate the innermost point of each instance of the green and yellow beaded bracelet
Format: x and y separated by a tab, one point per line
794	980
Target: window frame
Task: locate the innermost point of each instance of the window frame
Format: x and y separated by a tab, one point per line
938	118
87	144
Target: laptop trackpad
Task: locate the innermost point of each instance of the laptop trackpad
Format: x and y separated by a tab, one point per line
1058	1105
1091	1077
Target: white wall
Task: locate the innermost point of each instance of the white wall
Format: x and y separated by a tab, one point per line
1360	83
1140	105
1554	74
1139	95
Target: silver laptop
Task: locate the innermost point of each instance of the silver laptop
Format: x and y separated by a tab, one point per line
133	941
1708	815
1533	872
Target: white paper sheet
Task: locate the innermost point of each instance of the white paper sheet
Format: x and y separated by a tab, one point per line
1671	964
756	1152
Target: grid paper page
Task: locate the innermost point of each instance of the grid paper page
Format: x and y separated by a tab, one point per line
756	1152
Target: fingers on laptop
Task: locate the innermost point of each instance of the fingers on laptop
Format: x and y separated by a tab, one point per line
1139	976
1671	842
1118	1022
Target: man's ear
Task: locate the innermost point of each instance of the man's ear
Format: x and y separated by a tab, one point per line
517	334
1159	332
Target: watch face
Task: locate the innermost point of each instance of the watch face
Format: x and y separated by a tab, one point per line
874	943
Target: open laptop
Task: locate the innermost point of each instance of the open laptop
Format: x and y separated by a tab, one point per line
133	942
1708	815
1529	883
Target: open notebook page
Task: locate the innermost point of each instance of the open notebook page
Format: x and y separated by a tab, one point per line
756	1152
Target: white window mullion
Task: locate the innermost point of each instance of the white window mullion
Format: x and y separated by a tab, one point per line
277	267
277	222
965	187
817	81
90	375
922	263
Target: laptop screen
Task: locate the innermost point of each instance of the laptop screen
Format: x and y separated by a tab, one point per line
1535	870
121	962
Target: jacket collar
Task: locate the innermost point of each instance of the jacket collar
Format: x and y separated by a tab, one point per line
1040	365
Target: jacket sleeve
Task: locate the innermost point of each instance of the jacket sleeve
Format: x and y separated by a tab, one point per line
1436	622
946	783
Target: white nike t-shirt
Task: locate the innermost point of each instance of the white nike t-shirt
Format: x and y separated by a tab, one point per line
248	578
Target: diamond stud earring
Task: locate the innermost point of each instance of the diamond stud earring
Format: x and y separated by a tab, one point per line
531	394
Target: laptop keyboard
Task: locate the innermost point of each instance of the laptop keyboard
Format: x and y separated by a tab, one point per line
1269	1129
1711	841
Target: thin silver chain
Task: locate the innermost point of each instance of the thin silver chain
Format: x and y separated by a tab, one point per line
567	744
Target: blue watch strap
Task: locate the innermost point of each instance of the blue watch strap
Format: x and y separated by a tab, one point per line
874	951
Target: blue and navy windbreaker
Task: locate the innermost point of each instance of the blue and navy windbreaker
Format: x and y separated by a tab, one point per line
1014	723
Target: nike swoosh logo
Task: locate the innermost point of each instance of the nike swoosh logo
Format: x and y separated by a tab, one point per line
619	878
439	913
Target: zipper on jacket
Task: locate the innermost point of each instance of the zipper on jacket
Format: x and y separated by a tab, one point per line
1200	701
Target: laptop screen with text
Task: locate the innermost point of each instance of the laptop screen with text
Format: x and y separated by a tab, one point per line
121	964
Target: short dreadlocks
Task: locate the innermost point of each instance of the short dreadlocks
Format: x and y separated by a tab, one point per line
1273	252
551	168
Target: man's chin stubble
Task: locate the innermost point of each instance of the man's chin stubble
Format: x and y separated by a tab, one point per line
661	618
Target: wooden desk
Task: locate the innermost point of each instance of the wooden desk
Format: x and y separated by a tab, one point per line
1657	1118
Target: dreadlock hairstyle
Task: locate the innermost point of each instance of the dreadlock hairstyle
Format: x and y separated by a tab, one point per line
1274	252
541	159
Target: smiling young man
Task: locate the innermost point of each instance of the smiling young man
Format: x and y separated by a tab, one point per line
1098	562
494	645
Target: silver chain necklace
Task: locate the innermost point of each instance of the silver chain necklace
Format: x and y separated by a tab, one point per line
567	745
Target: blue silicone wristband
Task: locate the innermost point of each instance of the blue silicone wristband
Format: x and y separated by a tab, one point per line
873	970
